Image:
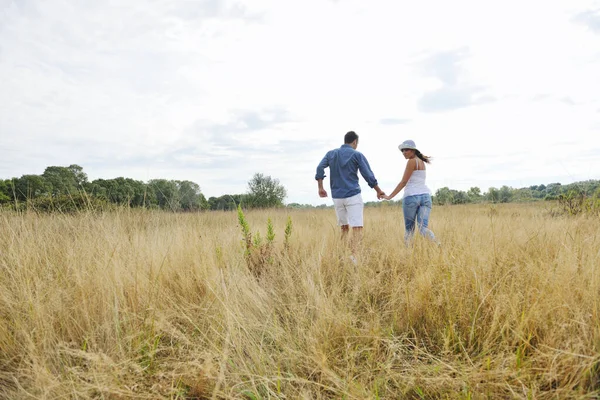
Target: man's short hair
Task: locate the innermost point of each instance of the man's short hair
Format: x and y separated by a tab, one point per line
350	137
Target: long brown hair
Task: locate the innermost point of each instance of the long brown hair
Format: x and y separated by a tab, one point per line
425	159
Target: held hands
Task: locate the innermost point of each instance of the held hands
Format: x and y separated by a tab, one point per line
382	196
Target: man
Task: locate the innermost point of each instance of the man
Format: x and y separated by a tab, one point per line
344	163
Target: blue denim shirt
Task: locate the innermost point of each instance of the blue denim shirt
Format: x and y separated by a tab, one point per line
344	164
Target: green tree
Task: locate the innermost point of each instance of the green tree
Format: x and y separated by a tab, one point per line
493	195
190	196
6	193
552	190
264	192
538	191
474	194
28	187
505	194
444	196
523	194
65	180
226	202
125	191
459	197
166	193
80	177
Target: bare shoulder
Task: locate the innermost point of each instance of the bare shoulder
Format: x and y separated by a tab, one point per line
416	164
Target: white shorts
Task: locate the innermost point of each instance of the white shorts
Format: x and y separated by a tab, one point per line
349	211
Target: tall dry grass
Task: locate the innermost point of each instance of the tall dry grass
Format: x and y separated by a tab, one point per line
140	304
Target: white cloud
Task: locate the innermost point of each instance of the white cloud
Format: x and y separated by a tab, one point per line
213	91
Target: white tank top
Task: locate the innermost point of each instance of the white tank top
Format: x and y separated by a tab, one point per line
416	182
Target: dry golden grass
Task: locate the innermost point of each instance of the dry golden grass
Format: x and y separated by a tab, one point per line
140	304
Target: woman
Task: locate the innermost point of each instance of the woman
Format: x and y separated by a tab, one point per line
416	202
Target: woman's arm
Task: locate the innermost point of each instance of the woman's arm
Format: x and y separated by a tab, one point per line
410	167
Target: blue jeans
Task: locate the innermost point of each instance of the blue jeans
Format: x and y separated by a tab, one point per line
416	209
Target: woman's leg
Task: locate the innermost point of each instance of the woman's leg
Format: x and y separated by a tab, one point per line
423	216
409	208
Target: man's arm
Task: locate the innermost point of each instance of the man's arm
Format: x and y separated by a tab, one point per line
321	175
367	174
322	191
380	193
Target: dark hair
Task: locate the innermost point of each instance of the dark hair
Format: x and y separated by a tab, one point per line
425	159
350	137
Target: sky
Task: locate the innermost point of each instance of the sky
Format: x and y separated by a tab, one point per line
213	91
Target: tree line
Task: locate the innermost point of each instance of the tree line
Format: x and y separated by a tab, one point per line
70	185
506	194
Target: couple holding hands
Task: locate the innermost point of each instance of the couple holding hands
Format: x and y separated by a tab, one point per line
344	164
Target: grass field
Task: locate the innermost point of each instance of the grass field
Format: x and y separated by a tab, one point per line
140	304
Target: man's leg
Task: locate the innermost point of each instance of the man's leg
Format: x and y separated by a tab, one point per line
355	207
345	230
342	216
357	236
